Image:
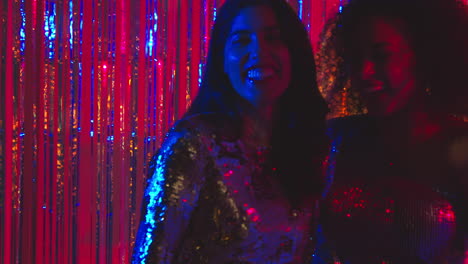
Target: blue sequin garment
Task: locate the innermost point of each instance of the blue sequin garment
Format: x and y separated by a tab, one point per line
202	204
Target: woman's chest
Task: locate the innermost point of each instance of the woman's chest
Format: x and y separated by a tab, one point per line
267	226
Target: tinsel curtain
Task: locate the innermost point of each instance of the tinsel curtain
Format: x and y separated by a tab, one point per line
88	90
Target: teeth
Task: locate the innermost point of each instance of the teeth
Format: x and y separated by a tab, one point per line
259	74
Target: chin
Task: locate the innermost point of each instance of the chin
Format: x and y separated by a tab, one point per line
382	109
379	112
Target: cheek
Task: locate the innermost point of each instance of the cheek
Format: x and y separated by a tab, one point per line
228	61
396	74
233	62
402	70
230	67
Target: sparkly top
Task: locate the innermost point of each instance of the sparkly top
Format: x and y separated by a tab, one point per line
212	200
404	208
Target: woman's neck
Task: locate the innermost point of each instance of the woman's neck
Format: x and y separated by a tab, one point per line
413	126
257	126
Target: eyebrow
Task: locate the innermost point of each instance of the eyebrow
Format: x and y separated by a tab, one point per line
245	31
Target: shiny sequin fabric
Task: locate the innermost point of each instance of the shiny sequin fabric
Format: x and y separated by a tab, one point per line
212	200
386	208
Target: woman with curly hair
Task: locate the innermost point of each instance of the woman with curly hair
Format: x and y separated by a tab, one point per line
399	188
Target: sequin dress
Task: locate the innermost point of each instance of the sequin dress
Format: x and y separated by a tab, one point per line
386	208
211	200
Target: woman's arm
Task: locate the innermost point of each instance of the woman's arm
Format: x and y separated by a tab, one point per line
170	197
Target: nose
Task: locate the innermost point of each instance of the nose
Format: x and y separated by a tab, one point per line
368	69
258	47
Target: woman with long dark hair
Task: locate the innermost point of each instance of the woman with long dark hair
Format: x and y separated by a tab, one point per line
237	178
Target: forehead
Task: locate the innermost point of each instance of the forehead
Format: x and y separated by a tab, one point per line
381	30
254	19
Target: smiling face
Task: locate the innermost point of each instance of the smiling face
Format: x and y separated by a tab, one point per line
383	66
256	59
